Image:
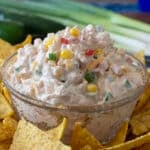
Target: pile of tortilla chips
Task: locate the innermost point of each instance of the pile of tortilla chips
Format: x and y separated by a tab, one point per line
23	135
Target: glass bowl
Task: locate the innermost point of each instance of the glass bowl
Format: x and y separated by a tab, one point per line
102	121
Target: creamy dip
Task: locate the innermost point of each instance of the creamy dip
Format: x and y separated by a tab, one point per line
74	67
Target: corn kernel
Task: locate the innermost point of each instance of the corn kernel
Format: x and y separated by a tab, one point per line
74	32
98	51
49	42
66	54
34	65
91	88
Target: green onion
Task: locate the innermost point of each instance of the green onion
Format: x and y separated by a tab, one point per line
100	13
127	84
52	56
130	44
107	96
89	76
18	69
38	72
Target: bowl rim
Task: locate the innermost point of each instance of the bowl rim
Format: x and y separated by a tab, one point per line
118	102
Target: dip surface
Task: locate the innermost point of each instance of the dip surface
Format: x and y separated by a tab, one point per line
74	67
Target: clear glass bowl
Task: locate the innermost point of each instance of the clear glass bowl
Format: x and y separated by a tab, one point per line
102	121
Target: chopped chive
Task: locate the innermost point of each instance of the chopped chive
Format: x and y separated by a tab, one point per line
17	69
52	56
38	72
89	76
127	84
95	57
107	96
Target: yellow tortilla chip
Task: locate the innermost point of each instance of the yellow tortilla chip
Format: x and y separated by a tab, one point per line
1	86
120	136
5	108
6	94
57	133
1	62
135	143
6	49
143	100
28	40
7	128
140	122
29	137
4	145
144	147
141	56
148	70
86	147
82	137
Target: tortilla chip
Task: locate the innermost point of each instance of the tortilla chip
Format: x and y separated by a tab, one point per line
143	100
57	133
140	122
148	70
86	147
135	143
6	94
140	56
6	49
5	108
28	40
120	136
4	145
82	137
1	62
29	137
7	128
1	87
144	147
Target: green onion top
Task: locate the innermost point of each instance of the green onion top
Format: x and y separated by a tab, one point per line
127	84
52	56
18	69
95	57
89	76
38	72
107	96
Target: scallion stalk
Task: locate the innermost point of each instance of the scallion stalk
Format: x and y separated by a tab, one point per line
100	13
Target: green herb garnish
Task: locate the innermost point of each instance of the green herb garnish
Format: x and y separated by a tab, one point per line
89	76
38	72
127	84
52	56
107	96
95	57
17	69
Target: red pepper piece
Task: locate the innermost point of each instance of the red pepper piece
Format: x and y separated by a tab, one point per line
89	52
64	41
